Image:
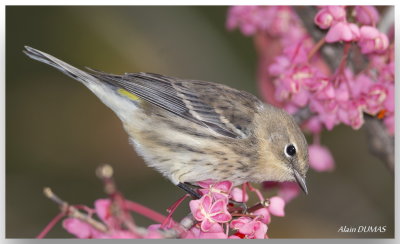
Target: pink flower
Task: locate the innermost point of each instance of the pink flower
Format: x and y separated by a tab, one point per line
209	213
314	125
84	230
248	228
326	16
249	19
351	113
272	21
301	98
293	83
326	110
320	158
297	52
317	84
329	119
338	12
264	215
282	20
219	190
323	19
237	195
326	92
80	229
288	190
103	210
366	15
343	31
277	206
371	40
375	98
359	85
215	232
280	65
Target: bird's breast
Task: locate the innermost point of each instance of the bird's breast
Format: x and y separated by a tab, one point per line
187	152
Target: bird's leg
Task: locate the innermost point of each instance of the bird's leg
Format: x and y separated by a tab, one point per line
242	205
263	204
188	188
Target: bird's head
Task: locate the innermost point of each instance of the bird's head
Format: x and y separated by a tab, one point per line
284	150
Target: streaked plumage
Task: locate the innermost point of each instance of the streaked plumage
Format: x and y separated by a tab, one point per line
193	130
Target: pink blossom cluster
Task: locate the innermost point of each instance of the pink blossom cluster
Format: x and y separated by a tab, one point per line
84	230
215	215
302	79
277	21
368	37
338	97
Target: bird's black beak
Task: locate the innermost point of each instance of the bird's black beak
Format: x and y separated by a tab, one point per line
301	181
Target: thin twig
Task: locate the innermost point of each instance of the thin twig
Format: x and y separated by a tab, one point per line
73	212
123	206
328	52
259	205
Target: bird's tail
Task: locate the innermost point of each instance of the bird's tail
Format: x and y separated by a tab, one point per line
108	94
60	65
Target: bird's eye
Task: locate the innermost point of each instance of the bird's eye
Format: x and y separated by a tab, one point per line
290	150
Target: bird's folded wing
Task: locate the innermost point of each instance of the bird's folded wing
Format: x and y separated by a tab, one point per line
227	111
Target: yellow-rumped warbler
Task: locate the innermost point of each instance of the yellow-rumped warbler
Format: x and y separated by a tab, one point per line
192	130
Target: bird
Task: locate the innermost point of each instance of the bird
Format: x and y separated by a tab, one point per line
192	130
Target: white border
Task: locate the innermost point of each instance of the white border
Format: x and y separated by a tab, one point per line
203	2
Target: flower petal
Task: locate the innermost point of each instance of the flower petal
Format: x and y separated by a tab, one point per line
366	15
218	207
277	206
222	217
78	228
102	207
320	158
196	210
260	230
237	195
206	225
288	190
239	222
206	202
339	32
205	183
265	216
224	186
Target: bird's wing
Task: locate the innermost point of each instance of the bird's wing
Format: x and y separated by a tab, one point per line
226	111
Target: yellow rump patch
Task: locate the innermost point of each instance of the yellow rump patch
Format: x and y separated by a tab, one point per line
127	94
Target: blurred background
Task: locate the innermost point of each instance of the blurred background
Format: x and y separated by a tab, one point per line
58	132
